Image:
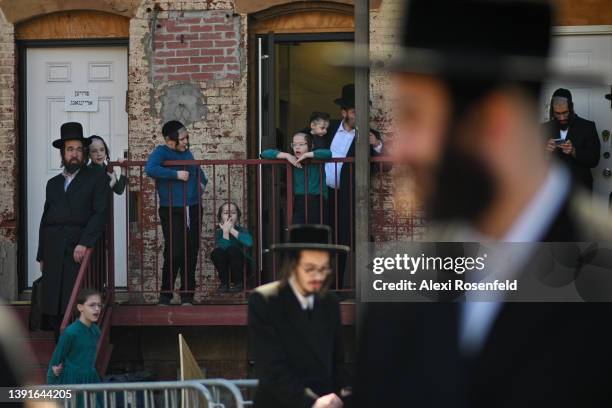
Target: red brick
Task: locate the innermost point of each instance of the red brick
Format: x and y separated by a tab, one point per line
211	51
187	37
159	44
233	67
163	54
200	28
227	43
224	27
177	29
187	68
164	37
177	61
213	20
203	76
201	60
232	76
212	68
178	77
165	69
201	44
226	60
211	36
160	61
175	44
191	20
188	53
230	34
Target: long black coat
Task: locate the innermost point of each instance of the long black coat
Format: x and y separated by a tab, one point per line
536	354
74	217
297	358
583	135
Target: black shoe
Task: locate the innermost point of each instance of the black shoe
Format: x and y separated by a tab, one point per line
222	288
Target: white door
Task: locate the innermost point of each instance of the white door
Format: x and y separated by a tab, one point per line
584	51
51	72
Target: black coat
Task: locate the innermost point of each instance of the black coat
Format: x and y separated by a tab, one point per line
536	354
583	135
74	217
296	358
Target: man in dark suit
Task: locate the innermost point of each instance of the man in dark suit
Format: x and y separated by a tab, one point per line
470	130
573	139
340	176
74	218
295	331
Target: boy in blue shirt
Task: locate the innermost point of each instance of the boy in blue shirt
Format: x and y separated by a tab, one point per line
179	189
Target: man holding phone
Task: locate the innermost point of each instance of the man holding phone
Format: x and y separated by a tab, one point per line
572	139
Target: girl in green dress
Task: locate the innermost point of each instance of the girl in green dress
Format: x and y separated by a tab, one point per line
74	358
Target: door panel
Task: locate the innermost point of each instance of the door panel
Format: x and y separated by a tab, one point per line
51	72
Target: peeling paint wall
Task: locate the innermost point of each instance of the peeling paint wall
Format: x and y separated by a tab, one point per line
187	62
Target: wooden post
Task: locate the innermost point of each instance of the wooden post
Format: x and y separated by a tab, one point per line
362	150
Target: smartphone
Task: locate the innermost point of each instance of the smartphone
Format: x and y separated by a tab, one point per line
559	141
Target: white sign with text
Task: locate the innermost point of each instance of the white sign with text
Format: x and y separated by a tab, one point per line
81	100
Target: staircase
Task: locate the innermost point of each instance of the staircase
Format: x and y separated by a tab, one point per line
41	343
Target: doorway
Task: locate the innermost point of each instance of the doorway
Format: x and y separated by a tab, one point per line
576	50
295	79
49	71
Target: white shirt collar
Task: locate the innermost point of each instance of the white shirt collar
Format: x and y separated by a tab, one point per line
306	302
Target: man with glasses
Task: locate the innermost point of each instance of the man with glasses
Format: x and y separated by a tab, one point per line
179	189
73	219
295	331
573	139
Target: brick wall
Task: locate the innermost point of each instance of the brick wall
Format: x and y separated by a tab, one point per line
8	140
187	62
391	203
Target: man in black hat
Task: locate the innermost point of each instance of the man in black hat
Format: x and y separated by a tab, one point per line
74	218
573	139
295	331
338	175
179	189
467	125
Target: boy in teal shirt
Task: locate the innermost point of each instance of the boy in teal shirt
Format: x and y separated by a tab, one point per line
311	202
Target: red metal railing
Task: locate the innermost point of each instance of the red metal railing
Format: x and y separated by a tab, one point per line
97	272
264	191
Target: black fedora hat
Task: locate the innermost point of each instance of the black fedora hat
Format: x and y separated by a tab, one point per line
480	39
70	131
309	236
347	99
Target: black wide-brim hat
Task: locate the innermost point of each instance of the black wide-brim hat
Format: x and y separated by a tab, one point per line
70	131
347	98
479	39
309	236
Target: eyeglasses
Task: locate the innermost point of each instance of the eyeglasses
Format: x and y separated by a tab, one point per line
310	269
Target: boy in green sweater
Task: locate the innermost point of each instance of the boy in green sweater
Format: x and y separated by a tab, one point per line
309	203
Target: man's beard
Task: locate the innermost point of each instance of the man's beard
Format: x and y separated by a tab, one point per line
563	126
464	188
72	166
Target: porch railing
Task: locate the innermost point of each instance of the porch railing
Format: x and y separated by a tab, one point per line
263	189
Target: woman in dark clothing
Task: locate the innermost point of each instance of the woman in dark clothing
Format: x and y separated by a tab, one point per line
98	156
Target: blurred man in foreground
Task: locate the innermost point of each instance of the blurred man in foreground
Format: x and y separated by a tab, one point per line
468	126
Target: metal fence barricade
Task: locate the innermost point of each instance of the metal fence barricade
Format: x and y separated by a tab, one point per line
167	394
